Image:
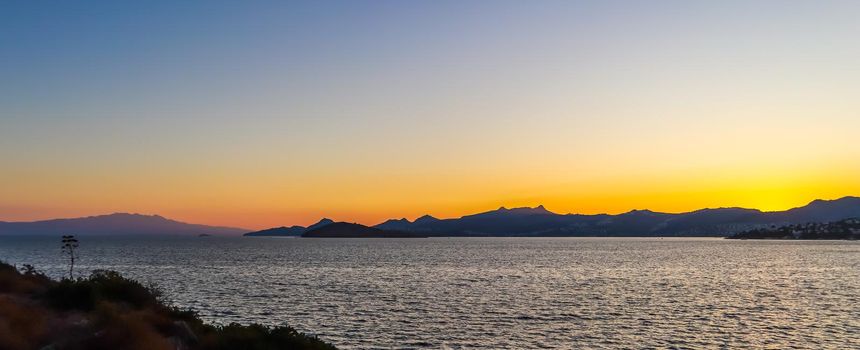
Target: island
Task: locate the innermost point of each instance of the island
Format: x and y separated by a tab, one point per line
353	230
848	229
292	231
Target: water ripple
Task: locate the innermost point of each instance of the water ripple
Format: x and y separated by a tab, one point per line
502	293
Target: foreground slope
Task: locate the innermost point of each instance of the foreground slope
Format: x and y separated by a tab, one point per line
107	311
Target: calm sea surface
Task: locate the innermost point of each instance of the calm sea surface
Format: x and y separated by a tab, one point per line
500	293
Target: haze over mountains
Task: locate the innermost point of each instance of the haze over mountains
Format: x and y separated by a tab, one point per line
537	221
115	224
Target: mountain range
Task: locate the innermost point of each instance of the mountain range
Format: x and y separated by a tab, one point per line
537	221
115	224
290	231
705	222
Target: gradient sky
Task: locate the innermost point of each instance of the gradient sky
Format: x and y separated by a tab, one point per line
257	114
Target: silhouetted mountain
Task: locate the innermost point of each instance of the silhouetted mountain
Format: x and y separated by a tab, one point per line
497	222
406	225
279	231
114	224
824	211
538	221
321	223
394	224
708	221
289	231
425	219
351	230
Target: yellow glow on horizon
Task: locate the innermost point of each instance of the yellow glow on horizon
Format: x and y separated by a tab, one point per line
269	202
254	194
580	107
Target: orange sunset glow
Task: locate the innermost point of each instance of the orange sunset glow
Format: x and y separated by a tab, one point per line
436	174
393	120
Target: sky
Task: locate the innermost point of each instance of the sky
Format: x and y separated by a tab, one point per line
258	114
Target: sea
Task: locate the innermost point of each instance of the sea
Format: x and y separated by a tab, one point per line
498	293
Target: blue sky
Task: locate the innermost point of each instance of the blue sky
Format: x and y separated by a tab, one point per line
283	111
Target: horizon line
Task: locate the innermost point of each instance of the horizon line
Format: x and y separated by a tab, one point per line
539	206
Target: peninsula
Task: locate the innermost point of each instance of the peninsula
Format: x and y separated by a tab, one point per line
844	229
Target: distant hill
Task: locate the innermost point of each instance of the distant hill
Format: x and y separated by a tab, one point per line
404	224
539	221
351	230
395	224
278	231
115	224
288	231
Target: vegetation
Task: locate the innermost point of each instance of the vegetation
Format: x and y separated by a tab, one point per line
843	229
69	247
109	311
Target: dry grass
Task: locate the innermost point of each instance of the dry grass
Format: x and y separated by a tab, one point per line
108	311
14	282
123	328
22	323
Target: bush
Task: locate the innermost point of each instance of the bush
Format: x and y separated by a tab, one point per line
84	293
108	311
12	281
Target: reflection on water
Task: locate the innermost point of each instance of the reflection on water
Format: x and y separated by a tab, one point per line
500	292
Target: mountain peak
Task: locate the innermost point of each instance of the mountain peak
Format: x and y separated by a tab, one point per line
395	224
426	218
640	212
846	199
323	221
528	210
503	211
122	214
